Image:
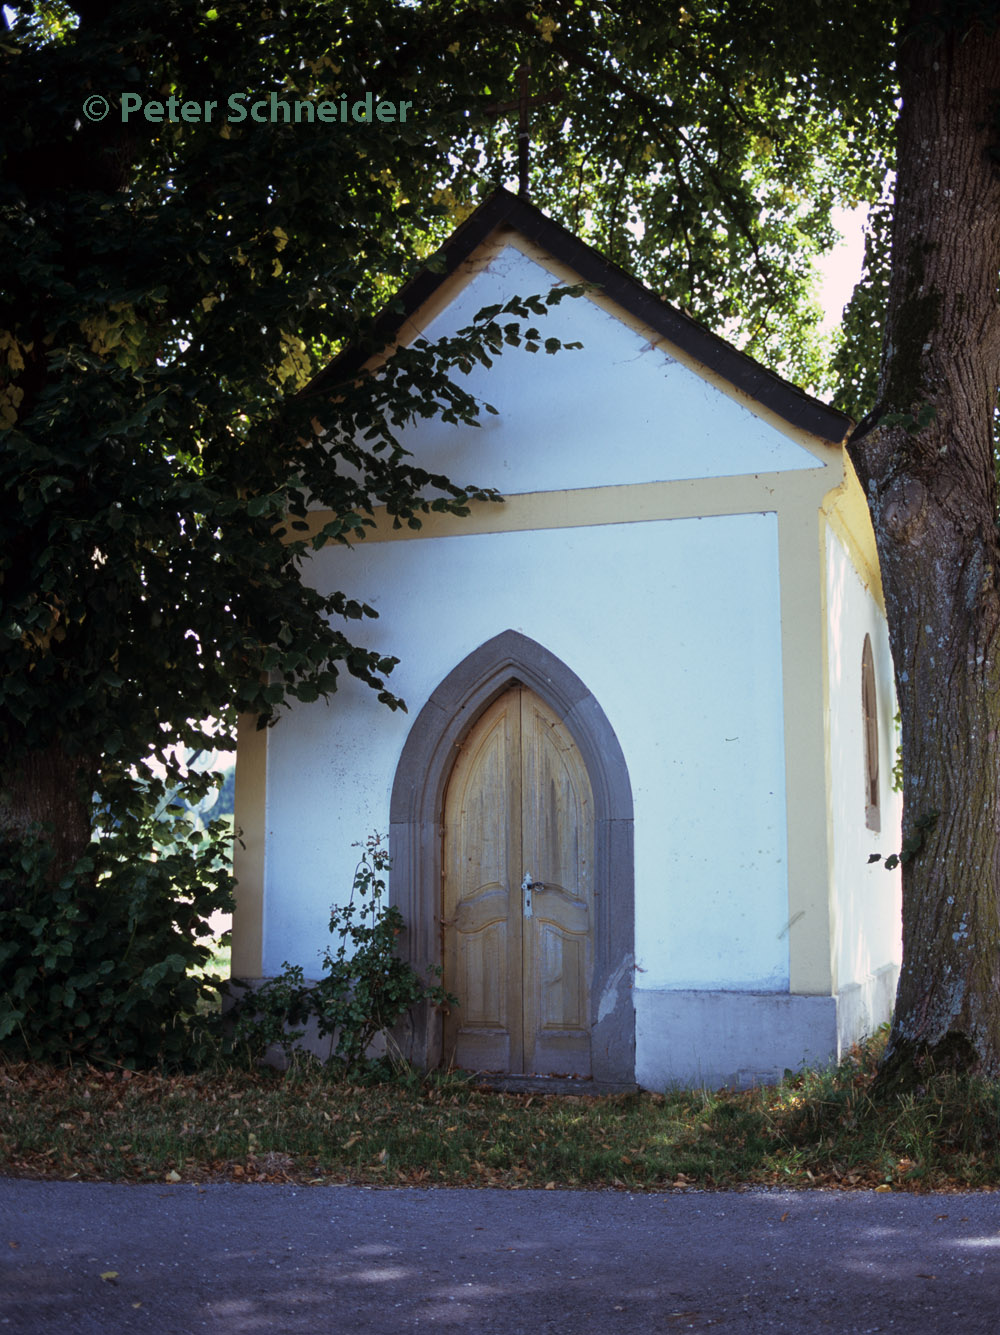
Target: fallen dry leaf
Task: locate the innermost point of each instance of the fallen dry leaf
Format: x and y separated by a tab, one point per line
110	1276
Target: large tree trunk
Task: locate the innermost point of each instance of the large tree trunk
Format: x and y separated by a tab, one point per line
926	462
51	786
54	791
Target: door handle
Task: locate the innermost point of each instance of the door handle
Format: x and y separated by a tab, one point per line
527	885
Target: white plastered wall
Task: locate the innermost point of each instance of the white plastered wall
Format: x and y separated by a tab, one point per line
866	897
619	410
695	702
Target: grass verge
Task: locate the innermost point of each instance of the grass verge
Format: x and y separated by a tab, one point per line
815	1129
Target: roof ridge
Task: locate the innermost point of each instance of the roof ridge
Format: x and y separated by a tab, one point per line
763	386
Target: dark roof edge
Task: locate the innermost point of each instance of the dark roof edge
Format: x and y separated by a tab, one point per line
791	404
420	288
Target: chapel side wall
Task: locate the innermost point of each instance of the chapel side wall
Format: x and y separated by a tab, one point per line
867	898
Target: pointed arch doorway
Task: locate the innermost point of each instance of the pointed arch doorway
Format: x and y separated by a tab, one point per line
517	894
461	750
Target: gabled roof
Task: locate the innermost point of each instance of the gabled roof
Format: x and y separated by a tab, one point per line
503	209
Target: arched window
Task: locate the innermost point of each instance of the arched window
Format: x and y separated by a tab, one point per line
869	713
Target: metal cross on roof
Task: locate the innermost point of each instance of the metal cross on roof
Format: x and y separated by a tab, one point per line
522	107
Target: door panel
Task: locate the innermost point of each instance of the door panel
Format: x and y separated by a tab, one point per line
482	938
557	846
519	801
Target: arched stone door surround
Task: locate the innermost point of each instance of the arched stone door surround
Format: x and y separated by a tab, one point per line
415	840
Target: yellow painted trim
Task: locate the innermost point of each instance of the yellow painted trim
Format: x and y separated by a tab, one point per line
824	595
249	850
846	511
584	507
802	561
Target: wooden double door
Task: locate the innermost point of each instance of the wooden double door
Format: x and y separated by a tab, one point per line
518	908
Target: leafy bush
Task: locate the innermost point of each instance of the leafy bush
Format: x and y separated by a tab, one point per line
98	966
365	989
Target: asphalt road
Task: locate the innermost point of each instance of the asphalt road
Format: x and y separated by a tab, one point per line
97	1259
